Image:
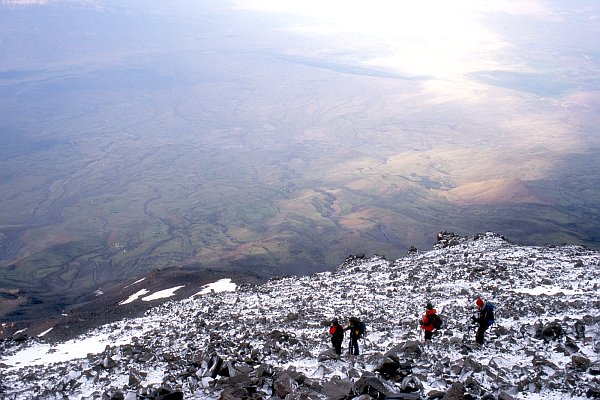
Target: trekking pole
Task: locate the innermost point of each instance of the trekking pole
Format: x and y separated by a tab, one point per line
418	327
474	325
470	327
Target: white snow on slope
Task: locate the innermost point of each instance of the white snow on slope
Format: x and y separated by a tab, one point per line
133	283
547	290
45	354
222	285
162	294
134	296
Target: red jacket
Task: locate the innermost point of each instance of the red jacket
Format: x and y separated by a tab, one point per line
427	321
337	331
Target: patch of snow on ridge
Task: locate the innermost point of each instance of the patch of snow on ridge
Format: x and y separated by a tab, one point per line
162	294
222	285
138	281
45	354
45	332
134	296
546	290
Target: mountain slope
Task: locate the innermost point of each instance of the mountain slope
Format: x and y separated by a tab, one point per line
495	191
271	340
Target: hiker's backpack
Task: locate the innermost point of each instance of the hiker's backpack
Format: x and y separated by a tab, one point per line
359	327
489	315
337	331
437	322
363	328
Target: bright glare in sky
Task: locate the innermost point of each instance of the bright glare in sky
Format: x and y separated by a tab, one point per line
441	39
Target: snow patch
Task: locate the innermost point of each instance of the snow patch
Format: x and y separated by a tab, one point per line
222	285
45	354
162	294
138	281
134	296
546	290
45	332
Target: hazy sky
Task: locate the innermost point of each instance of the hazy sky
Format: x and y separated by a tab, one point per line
437	38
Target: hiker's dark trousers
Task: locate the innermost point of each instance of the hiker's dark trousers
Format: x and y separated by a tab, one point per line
480	333
337	345
354	346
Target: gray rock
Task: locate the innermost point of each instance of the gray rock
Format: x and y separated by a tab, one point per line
435	394
551	331
130	396
387	367
375	387
118	395
408	350
134	378
455	392
284	385
168	394
538	360
213	366
505	396
570	346
337	388
411	384
580	362
242	380
19	337
594	368
292	317
168	357
470	365
108	363
327	355
295	375
472	386
234	393
579	329
593	392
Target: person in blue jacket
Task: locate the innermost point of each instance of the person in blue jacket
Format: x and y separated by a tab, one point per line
484	319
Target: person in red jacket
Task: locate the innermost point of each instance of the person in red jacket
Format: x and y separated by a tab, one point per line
337	335
428	320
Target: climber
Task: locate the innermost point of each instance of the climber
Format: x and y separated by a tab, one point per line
430	321
356	328
484	319
337	335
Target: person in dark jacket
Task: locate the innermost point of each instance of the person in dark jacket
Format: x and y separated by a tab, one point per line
427	321
337	335
484	318
354	326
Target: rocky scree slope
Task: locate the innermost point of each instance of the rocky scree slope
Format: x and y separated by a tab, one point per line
271	340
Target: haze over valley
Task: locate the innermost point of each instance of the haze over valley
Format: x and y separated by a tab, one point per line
273	137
